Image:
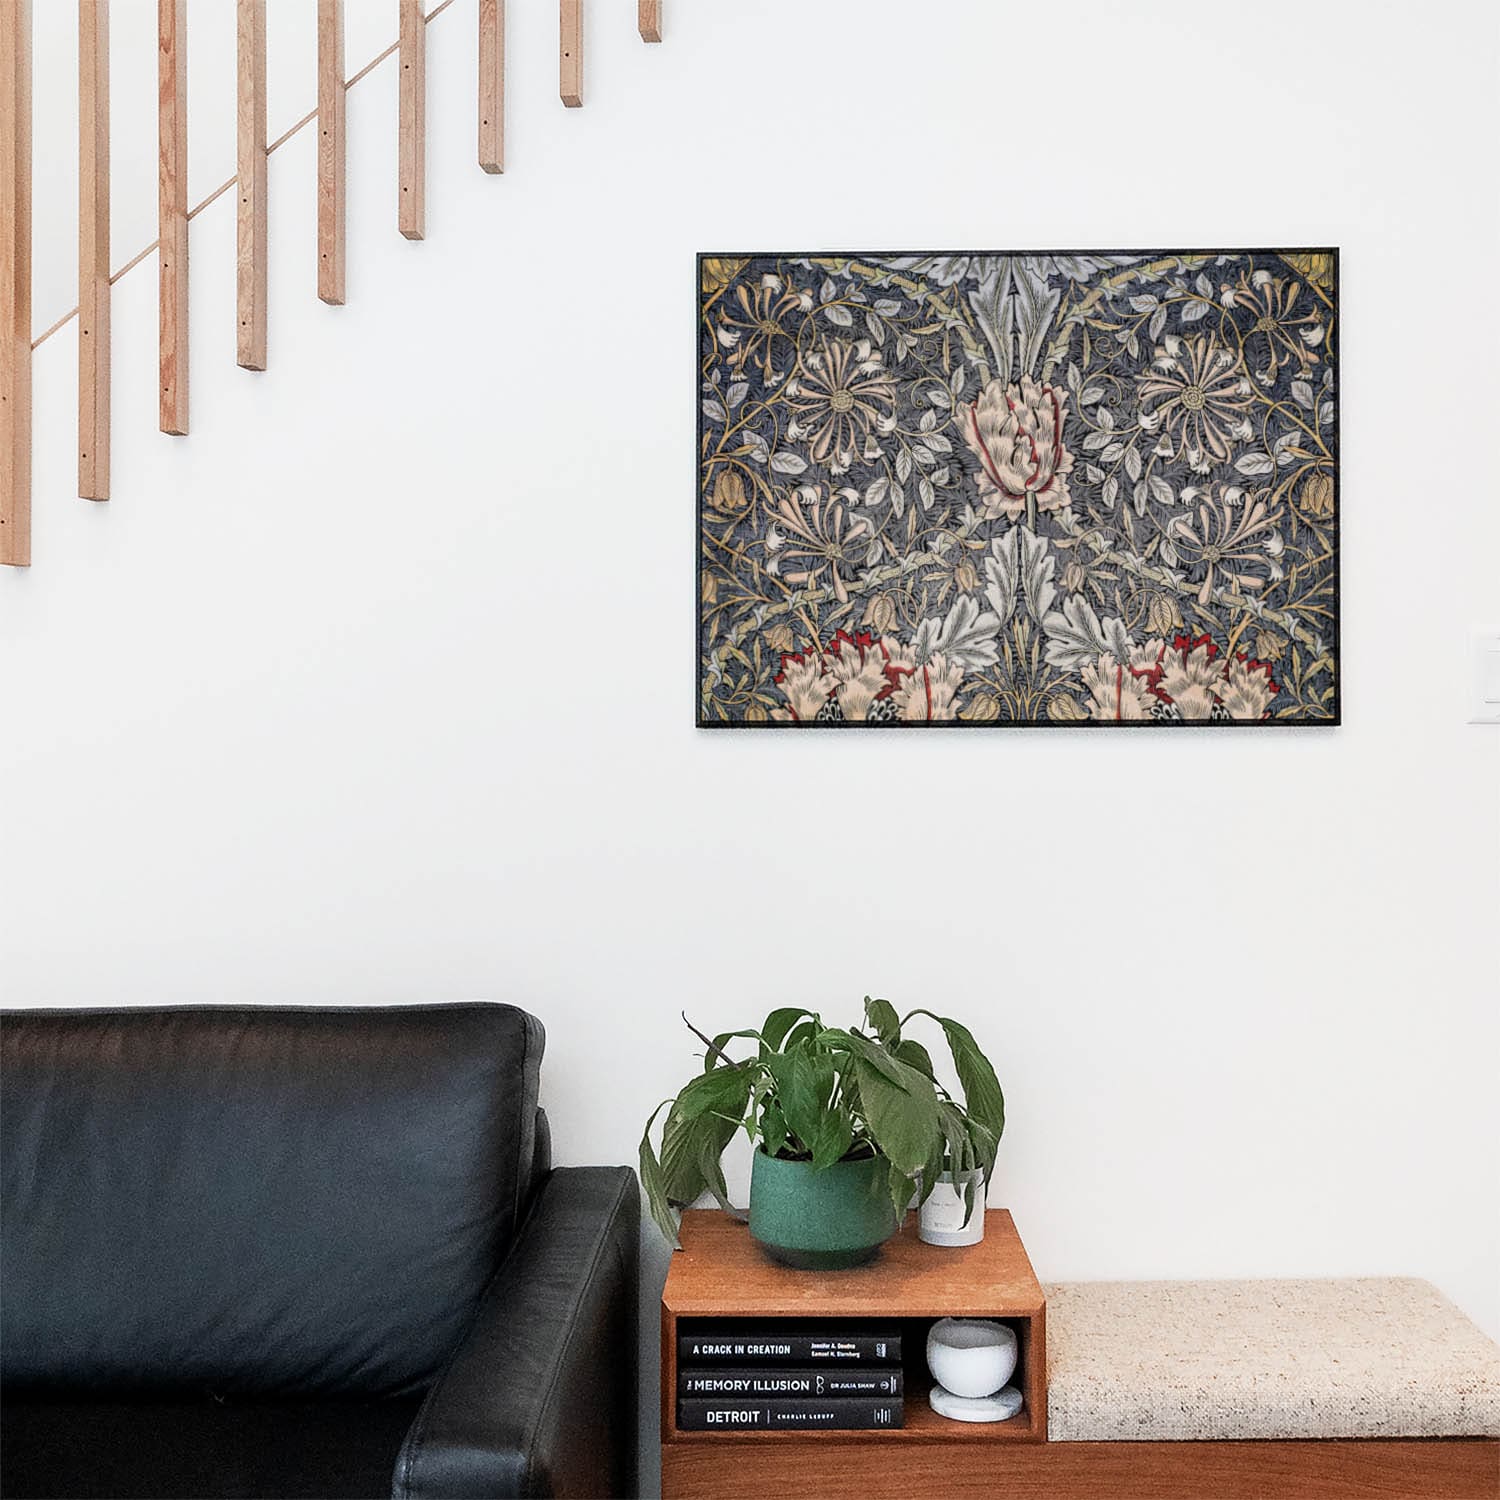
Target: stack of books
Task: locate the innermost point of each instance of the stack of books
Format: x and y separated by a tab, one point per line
771	1379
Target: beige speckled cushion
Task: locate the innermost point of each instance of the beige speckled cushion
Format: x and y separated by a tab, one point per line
1153	1360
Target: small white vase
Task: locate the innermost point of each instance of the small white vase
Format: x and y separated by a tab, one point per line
940	1220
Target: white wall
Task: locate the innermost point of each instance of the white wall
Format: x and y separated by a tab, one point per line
377	686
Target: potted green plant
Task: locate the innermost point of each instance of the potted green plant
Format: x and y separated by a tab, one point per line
846	1125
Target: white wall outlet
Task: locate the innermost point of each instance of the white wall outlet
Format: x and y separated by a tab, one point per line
1485	702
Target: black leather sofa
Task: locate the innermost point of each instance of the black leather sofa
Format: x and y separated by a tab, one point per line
304	1252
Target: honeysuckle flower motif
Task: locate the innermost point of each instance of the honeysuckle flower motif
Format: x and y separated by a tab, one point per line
1279	328
821	537
760	322
841	391
1016	433
928	693
1224	541
1198	389
1246	688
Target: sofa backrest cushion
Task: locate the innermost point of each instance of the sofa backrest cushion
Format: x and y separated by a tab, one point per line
255	1200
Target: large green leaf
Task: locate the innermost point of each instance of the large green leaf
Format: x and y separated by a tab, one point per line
682	1176
982	1095
721	1090
700	1125
914	1055
804	1088
902	1116
873	1055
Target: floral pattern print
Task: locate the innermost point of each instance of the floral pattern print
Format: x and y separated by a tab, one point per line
1046	489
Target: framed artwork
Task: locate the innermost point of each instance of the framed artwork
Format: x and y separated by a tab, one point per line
1062	489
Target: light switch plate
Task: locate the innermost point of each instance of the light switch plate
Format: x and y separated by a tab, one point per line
1484	647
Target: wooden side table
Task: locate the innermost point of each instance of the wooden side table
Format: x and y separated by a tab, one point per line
722	1273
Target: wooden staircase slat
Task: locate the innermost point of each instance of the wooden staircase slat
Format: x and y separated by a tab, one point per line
570	52
15	283
492	85
412	150
172	213
251	221
93	250
331	107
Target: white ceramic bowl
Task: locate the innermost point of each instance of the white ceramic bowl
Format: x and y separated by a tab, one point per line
971	1356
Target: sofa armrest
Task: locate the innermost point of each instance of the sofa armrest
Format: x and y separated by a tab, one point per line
540	1398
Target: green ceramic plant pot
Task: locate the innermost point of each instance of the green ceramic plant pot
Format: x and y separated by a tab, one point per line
821	1221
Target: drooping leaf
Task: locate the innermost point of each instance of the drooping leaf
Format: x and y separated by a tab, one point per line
982	1094
682	1154
654	1184
900	1185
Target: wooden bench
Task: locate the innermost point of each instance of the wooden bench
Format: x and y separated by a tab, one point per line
1304	1389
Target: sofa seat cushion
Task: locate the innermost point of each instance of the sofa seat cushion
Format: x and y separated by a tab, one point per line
335	1450
1162	1360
